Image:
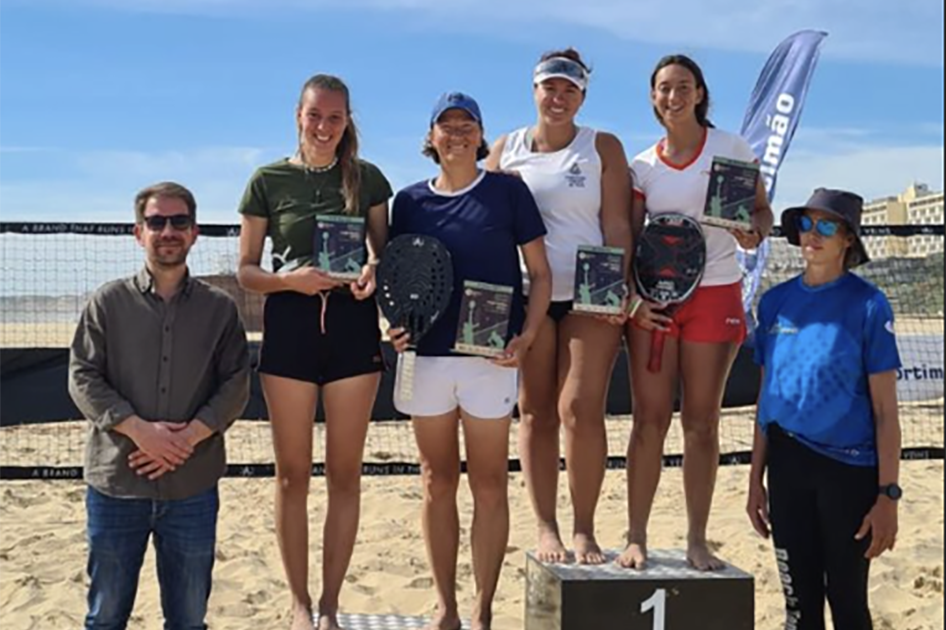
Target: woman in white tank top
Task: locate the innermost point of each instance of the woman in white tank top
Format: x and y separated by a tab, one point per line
705	334
579	179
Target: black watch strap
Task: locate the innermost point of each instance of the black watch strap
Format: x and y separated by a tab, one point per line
892	491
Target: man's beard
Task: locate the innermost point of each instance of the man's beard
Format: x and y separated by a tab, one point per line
171	260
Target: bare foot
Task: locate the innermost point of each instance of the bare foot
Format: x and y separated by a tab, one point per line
634	557
587	551
481	621
551	548
444	621
302	618
702	559
329	622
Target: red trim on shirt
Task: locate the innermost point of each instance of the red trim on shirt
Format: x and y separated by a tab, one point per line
682	167
640	195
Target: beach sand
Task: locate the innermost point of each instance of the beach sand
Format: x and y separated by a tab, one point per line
42	554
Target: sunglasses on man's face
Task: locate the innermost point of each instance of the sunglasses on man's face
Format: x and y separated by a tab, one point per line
179	222
828	228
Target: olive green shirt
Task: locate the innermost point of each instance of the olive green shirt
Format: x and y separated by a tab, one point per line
290	196
135	354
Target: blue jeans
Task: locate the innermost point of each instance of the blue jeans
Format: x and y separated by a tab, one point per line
185	533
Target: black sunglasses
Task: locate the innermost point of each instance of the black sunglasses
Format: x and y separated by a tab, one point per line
179	222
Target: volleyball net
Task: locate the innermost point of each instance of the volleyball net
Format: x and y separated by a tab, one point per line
49	271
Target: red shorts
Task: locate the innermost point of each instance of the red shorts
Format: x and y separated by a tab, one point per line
713	315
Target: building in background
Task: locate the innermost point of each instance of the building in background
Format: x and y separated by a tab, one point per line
927	210
918	205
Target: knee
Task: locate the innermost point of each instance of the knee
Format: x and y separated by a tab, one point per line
701	428
539	418
107	612
293	481
578	416
490	491
440	485
344	481
651	424
187	609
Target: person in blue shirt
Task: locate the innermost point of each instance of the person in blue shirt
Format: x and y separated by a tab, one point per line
828	430
485	220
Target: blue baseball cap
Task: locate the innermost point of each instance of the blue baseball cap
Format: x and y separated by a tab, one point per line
456	100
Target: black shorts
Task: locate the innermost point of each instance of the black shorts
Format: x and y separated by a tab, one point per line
558	311
306	342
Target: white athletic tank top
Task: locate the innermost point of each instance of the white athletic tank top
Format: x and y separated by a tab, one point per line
567	188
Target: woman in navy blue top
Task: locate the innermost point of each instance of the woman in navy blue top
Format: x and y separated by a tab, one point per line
828	428
485	220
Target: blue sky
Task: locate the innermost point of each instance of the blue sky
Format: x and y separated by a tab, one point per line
99	98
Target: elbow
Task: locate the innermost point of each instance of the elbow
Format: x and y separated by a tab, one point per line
241	276
617	232
541	279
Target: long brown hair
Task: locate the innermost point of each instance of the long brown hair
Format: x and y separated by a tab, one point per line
348	148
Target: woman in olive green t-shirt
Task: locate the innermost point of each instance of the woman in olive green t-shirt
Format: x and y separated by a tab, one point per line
321	335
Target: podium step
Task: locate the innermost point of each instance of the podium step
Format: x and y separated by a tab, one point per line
669	595
383	622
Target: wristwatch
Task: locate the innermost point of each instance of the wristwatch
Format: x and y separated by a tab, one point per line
892	492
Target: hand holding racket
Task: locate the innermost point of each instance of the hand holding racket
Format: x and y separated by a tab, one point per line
415	284
671	259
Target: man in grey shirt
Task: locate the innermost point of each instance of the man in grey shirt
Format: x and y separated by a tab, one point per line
160	367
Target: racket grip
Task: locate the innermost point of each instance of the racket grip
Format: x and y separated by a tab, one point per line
408	368
657	341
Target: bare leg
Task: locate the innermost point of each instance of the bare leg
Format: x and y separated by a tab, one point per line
587	351
653	396
539	439
438	442
487	446
705	370
291	407
348	406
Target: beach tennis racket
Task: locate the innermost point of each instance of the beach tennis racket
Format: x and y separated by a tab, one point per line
668	269
415	284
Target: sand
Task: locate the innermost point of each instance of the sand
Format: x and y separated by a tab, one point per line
42	554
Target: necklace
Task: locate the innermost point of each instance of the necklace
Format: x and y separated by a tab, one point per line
317	170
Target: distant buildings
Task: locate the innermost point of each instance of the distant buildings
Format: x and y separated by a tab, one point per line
917	206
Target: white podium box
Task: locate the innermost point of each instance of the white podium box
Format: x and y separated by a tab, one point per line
669	595
383	622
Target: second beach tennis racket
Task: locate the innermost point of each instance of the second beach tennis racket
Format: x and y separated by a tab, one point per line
668	268
415	284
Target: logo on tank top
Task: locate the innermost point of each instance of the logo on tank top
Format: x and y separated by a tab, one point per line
575	177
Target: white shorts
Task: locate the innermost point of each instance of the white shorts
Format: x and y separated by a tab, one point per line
445	384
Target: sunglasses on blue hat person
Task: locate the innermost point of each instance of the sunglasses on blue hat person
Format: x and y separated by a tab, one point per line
846	208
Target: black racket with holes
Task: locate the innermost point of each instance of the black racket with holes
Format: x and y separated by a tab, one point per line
415	284
668	268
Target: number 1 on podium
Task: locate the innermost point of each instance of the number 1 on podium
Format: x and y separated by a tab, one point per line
657	603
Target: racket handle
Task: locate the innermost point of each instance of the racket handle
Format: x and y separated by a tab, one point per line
657	340
408	368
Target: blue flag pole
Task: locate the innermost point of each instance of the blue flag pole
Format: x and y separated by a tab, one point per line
772	118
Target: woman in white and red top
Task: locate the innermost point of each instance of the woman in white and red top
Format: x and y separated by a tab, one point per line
705	334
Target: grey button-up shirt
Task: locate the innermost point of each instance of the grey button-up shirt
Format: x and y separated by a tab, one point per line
135	354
